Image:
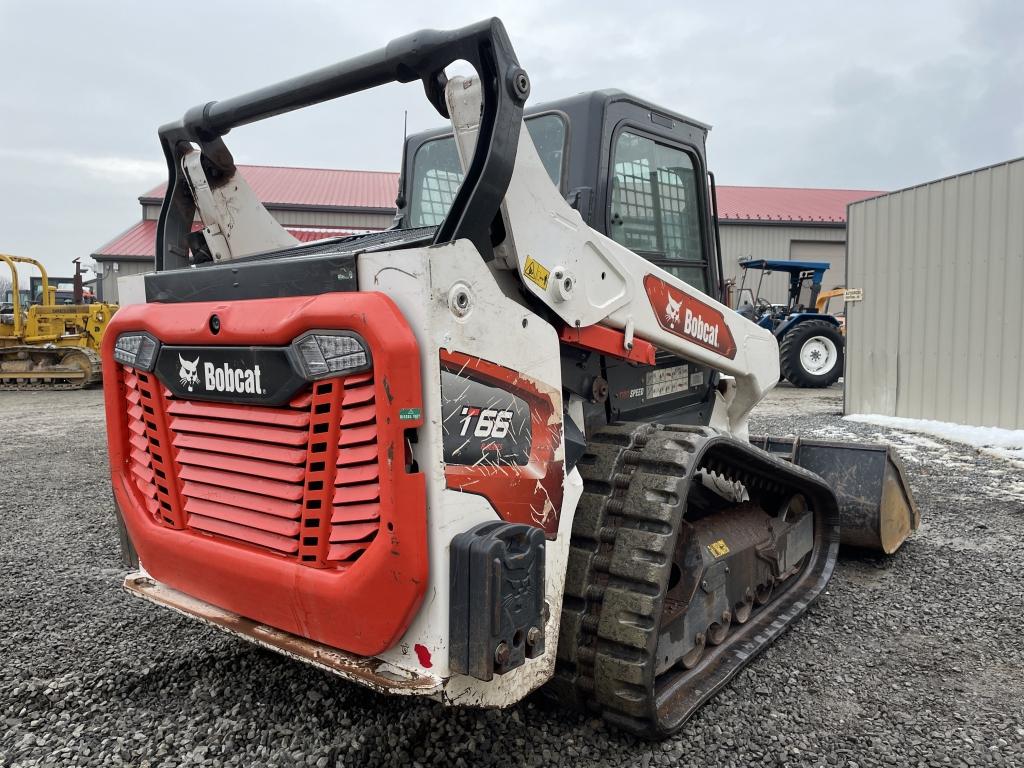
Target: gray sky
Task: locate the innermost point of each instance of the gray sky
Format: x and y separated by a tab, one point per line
875	95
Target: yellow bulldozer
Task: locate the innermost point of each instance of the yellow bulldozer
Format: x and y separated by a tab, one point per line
47	345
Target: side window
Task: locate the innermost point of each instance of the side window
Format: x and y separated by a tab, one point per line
548	134
437	173
655	208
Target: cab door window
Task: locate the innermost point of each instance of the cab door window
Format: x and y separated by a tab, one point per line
655	207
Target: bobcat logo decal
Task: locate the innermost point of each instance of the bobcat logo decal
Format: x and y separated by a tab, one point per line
684	315
188	373
672	310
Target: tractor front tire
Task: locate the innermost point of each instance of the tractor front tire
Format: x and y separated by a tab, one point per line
811	354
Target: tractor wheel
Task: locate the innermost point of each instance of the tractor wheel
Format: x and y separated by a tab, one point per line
811	354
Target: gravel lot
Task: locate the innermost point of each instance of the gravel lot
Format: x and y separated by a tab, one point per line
913	660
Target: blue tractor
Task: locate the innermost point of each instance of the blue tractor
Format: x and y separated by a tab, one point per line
810	342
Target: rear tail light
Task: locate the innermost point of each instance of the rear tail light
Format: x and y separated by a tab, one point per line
316	355
137	350
329	353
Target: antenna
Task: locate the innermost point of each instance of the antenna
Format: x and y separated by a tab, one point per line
400	199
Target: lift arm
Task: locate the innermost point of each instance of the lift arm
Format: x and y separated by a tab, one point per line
584	277
420	56
588	279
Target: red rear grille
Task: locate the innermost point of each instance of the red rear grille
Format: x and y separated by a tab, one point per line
355	514
140	458
231	485
272	477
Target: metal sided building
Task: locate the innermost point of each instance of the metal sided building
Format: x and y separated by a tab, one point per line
784	223
939	333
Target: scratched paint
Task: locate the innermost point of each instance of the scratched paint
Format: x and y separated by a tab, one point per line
530	351
423	654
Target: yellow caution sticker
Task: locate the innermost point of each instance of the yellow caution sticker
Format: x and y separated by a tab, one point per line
718	548
534	272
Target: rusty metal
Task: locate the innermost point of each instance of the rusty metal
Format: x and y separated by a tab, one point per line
718	631
35	368
501	653
690	658
742	609
876	508
374	673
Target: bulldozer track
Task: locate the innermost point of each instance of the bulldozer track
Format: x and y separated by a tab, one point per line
637	480
13	382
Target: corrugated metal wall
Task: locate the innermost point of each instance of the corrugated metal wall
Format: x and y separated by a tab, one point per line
940	332
771	241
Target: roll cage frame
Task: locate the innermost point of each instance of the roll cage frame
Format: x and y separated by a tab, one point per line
420	56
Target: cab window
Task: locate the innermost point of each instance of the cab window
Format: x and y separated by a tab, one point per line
655	207
437	173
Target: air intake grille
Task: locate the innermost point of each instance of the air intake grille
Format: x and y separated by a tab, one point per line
241	469
355	514
140	462
273	478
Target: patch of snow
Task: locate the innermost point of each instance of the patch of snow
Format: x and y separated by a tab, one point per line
994	441
835	432
922	441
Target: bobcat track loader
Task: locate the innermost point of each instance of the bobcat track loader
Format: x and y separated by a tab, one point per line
396	456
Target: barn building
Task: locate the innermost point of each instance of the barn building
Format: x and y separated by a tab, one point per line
311	203
787	223
314	203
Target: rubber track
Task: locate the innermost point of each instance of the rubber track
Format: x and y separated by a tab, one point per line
636	478
11	383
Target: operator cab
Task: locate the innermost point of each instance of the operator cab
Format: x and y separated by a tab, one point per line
636	173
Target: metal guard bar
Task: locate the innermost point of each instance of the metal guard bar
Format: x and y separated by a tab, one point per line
421	56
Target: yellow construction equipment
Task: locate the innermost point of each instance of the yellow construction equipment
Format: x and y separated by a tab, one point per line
824	298
49	345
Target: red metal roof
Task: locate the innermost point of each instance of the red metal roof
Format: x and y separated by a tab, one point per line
314	187
787	204
140	241
324	187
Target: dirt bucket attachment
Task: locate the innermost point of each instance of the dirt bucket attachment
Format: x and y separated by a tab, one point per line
876	508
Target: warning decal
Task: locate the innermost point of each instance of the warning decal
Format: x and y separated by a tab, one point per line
718	548
534	272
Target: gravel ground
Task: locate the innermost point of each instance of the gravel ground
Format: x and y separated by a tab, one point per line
912	660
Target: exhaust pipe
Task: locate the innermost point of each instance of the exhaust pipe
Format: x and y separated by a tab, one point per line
876	508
